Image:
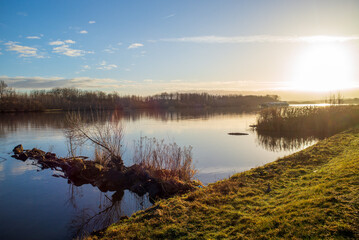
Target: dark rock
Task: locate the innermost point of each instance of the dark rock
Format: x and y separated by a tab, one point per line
77	165
154	190
138	188
101	184
111	180
50	155
18	149
38	152
92	170
22	156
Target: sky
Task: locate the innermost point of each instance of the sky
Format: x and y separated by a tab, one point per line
147	47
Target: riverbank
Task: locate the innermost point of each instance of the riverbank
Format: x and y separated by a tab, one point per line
310	194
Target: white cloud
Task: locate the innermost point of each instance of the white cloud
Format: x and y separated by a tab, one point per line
169	16
92	22
262	39
145	86
56	43
119	44
111	66
104	66
23	51
110	49
21	82
33	37
66	50
21	169
135	45
84	68
70	41
83	32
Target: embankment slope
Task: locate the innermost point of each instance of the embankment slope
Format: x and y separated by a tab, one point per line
311	194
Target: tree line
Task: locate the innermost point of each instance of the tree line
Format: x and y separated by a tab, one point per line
77	99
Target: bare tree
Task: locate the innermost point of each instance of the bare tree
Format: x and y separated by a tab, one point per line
338	99
106	137
3	87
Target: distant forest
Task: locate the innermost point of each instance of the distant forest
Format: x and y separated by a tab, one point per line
76	99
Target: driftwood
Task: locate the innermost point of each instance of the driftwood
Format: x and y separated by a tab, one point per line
79	171
237	134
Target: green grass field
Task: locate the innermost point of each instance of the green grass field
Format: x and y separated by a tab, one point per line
314	194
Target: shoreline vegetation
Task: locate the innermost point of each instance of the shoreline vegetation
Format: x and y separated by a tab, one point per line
311	194
71	99
307	121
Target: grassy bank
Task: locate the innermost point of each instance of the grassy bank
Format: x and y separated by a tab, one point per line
311	194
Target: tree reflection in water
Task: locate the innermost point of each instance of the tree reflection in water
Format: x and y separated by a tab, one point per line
109	210
291	141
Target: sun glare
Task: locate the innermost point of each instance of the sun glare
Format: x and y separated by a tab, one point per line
323	67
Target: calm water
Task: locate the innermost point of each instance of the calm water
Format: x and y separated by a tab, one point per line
36	205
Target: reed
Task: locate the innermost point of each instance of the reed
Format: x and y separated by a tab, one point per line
164	160
322	121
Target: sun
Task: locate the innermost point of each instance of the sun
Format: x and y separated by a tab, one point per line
323	67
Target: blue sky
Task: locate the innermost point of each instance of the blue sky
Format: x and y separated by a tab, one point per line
146	47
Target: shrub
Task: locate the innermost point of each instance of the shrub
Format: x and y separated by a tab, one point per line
162	160
107	138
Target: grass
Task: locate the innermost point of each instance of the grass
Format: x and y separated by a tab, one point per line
314	194
317	121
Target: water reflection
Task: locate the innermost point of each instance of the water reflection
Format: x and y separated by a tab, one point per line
110	208
2	174
278	142
11	122
21	169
